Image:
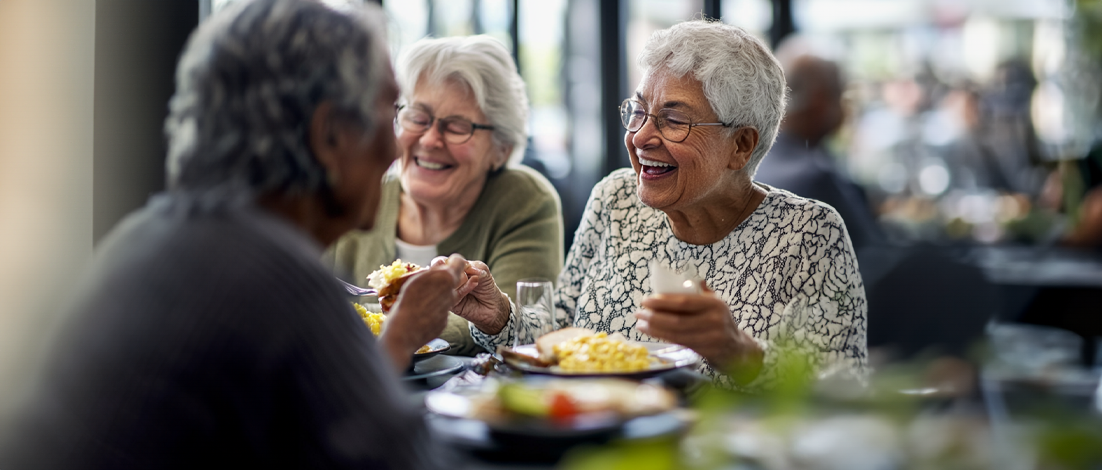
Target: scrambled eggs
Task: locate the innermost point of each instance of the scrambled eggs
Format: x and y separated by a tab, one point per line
598	353
375	322
385	274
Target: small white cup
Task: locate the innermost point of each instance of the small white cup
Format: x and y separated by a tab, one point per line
666	281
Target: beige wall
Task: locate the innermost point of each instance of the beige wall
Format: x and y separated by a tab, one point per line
46	94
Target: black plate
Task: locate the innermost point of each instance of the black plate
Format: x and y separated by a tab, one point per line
434	367
437	346
543	445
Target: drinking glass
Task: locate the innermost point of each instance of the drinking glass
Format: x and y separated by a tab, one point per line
534	308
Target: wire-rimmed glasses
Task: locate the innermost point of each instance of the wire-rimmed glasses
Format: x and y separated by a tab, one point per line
455	129
672	124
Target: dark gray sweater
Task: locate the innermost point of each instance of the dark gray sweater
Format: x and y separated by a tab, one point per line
211	336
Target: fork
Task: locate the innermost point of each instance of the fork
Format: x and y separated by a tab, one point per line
356	290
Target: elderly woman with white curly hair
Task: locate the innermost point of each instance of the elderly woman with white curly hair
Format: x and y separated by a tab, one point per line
778	270
208	333
458	186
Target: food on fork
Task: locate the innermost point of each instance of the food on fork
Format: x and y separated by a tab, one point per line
375	321
388	281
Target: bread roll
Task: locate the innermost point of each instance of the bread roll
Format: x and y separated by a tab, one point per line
545	343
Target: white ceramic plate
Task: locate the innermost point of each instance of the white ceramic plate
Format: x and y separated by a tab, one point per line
669	357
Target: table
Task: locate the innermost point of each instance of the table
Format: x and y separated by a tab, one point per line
1047	286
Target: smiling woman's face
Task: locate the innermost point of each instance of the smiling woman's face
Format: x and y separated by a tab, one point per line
435	172
681	175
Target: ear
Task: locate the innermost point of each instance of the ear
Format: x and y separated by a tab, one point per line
324	137
745	141
501	156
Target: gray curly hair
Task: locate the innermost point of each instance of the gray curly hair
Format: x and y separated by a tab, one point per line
742	80
247	86
486	67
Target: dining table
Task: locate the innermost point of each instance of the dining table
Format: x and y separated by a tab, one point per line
898	419
1049	286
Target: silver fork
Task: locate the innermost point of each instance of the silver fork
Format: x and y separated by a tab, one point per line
356	290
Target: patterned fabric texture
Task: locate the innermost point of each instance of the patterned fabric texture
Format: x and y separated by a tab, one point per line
788	274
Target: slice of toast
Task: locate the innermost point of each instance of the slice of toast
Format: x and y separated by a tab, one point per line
388	295
545	343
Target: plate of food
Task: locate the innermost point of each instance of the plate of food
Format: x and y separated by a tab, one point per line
376	321
580	352
551	407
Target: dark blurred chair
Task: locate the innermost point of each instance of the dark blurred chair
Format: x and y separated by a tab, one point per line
921	299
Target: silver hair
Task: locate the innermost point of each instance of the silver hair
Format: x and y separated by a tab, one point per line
486	68
742	80
247	86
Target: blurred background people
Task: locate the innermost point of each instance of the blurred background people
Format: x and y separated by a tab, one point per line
458	186
207	332
800	161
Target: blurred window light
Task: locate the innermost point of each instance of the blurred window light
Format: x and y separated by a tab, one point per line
933	179
755	16
496	18
1049	47
648	16
892	178
408	22
1047	110
833	15
542	42
981	47
453	18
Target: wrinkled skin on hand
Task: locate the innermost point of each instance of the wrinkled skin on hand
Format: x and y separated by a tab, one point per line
480	301
703	323
421	312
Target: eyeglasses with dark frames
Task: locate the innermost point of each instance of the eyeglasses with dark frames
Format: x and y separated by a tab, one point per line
673	125
455	129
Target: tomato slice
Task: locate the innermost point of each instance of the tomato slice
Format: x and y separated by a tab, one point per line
562	407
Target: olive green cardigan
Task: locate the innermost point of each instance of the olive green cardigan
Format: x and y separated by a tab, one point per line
515	227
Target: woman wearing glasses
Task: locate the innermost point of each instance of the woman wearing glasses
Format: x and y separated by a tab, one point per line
778	271
458	186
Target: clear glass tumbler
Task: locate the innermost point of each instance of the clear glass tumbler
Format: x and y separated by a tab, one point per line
535	309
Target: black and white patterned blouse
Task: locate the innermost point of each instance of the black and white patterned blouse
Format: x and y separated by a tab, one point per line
788	273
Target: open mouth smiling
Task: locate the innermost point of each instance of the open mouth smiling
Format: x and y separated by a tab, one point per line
654	167
430	165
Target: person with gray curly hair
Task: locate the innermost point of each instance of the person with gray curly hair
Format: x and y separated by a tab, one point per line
207	332
769	273
458	185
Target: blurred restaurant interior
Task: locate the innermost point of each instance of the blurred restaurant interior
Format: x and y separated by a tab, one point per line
972	130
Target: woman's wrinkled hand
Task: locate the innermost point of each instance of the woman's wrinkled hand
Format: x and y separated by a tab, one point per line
703	323
480	301
421	312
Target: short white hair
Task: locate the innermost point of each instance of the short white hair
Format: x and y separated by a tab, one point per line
742	80
482	64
